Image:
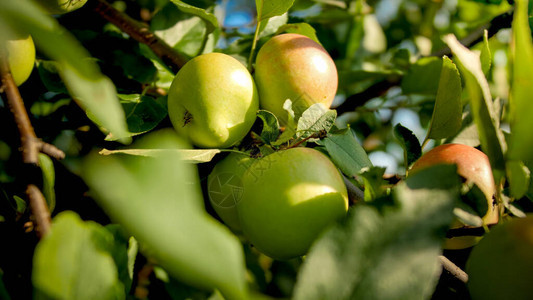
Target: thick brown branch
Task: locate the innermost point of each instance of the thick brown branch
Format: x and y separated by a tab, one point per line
453	269
30	148
140	33
39	210
30	144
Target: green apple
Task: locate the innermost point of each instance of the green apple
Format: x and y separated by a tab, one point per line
21	57
293	66
501	265
61	6
474	166
213	101
289	197
224	187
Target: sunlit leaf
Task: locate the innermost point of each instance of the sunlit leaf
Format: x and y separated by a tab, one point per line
346	152
157	199
187	155
315	119
481	104
47	168
385	252
74	254
300	28
269	8
447	113
209	18
423	76
521	106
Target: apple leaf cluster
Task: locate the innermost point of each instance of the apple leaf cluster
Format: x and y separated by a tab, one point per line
374	139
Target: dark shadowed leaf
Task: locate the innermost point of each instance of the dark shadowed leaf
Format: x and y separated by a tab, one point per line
270	130
409	143
92	91
373	182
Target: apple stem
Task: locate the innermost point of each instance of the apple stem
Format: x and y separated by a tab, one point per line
254	45
31	147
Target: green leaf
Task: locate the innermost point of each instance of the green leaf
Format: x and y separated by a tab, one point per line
315	119
73	262
481	105
44	108
267	9
521	106
346	152
387	252
486	55
447	113
272	25
20	205
423	76
194	156
158	200
373	182
49	73
409	142
270	131
210	19
184	32
49	177
3	291
299	28
124	251
143	113
92	91
519	177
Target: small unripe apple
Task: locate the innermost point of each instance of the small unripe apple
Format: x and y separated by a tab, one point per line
62	6
474	166
213	101
293	66
289	198
501	265
224	187
21	57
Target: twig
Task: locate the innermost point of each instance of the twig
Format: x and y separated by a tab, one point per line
381	87
453	269
355	194
502	21
31	146
140	33
39	210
